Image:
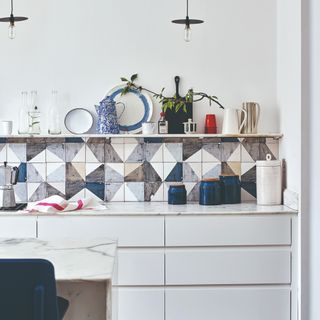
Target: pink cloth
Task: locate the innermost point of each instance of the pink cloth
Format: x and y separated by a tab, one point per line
55	204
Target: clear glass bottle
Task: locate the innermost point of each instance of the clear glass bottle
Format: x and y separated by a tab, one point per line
162	124
23	114
34	115
53	115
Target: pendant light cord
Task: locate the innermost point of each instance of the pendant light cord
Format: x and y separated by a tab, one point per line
187	8
11	7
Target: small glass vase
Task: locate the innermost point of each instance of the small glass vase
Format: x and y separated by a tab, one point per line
53	115
24	114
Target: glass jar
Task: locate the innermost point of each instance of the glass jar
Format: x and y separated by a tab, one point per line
23	114
53	115
34	115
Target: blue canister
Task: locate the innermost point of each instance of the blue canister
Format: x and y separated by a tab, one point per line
210	192
231	189
177	194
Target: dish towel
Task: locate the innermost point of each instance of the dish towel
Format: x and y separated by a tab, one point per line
55	204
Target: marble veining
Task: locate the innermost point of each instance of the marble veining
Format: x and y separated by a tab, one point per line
74	259
162	208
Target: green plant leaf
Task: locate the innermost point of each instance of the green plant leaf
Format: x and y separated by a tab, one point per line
134	77
124	79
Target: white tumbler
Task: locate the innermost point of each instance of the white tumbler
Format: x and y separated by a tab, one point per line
269	184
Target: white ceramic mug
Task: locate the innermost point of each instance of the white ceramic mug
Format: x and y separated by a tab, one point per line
6	127
148	127
231	122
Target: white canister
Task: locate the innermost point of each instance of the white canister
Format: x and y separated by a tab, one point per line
269	188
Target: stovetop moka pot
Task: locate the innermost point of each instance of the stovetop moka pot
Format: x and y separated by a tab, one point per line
8	178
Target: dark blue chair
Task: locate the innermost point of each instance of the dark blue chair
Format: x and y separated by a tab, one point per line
28	291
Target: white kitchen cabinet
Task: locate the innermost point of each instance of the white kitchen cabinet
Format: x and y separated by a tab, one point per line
129	231
227	304
228	230
139	267
138	304
18	227
228	266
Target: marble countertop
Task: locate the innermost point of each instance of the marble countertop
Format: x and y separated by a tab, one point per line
74	259
162	208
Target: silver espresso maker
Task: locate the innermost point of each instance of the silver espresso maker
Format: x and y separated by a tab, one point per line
8	178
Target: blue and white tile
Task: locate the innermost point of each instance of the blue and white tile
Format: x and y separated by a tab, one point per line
75	152
114	172
191	172
37	191
55	152
154	152
95	172
21	192
134	152
95	190
134	191
56	172
114	192
173	172
36	172
17	152
153	191
172	152
56	189
114	152
3	152
211	170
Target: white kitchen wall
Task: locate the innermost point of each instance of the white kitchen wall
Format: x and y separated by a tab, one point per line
82	48
289	88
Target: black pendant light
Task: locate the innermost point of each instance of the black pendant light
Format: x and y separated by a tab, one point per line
12	19
187	22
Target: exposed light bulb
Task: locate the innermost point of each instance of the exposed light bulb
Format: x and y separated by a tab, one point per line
187	34
11	31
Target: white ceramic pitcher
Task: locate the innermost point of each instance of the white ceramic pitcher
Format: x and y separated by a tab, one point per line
231	121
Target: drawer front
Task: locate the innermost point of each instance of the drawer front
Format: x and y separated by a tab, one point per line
228	304
129	231
139	267
226	231
18	227
138	304
228	266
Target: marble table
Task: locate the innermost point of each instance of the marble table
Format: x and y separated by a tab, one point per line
83	270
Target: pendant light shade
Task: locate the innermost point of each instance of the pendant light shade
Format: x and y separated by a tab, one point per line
187	22
12	20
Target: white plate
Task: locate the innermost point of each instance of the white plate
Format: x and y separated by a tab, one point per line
78	121
138	109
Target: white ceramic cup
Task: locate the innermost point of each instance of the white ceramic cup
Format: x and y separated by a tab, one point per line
6	127
148	127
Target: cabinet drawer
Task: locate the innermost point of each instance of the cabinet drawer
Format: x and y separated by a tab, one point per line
225	231
139	267
129	231
138	304
228	304
18	227
228	266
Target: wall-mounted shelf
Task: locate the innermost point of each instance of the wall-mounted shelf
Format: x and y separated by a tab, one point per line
200	135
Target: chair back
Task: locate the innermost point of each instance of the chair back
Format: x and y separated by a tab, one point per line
27	290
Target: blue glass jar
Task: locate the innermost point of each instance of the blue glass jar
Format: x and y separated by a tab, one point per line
210	192
231	189
177	194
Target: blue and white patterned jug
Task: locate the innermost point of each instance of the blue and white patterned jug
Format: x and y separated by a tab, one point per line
107	116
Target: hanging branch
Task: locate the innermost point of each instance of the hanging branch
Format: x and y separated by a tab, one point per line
173	103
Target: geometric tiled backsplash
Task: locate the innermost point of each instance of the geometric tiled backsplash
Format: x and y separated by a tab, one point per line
130	169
